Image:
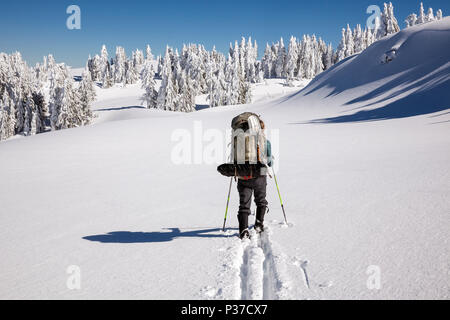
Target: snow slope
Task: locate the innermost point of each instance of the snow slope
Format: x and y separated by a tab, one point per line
415	82
361	196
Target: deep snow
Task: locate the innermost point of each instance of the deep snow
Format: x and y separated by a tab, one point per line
361	194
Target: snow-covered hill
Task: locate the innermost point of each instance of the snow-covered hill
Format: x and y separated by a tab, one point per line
402	75
367	200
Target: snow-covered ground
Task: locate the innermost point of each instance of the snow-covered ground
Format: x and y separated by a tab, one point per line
363	166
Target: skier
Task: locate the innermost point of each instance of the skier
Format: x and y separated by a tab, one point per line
257	185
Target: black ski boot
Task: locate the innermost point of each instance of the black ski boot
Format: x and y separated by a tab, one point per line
244	235
243	226
259	223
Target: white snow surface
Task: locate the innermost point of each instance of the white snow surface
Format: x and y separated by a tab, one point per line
363	167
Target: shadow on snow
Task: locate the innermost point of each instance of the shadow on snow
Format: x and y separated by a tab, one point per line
145	237
120	108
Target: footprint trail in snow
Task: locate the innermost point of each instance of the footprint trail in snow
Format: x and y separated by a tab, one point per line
261	277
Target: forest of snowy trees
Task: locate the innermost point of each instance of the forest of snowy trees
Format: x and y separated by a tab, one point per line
414	19
46	97
34	100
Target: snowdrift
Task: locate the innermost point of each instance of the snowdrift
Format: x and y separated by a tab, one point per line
403	75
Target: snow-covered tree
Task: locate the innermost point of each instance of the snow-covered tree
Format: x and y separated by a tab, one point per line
148	53
217	96
421	18
358	39
148	84
131	72
120	67
291	61
411	20
389	24
105	67
328	57
186	101
108	79
232	80
7	118
96	66
430	15
349	44
342	48
267	61
138	59
280	64
86	94
63	100
167	95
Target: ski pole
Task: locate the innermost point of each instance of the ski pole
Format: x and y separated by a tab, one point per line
228	201
279	195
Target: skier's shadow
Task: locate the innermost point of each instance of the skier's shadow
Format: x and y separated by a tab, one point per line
145	237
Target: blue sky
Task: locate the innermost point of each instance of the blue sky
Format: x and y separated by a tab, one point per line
37	28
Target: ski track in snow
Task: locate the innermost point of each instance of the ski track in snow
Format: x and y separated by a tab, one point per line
256	269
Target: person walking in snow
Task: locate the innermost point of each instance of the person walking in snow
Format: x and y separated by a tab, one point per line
253	185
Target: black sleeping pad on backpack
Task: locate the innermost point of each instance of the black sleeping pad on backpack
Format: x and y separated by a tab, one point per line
241	170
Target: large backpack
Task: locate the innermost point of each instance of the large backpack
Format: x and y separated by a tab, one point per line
248	147
248	142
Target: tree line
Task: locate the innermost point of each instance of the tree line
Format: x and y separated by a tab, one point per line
46	97
41	98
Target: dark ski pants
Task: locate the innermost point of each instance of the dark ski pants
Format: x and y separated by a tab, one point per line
246	188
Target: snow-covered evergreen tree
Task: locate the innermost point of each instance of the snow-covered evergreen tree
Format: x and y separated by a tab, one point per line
358	39
7	117
86	94
148	53
267	62
167	95
138	59
421	18
219	89
342	48
232	80
106	74
96	66
411	20
430	15
389	24
148	84
349	44
328	57
291	62
280	64
120	67
131	72
186	101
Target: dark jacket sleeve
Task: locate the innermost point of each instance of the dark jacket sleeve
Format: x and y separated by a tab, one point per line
269	153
